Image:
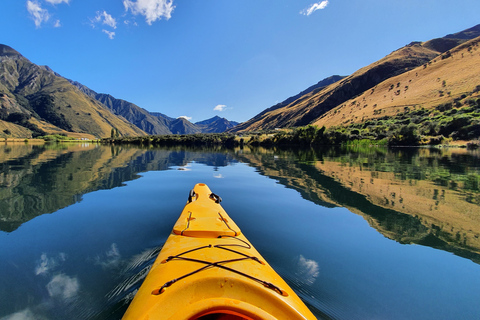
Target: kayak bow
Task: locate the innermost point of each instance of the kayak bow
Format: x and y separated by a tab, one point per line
207	269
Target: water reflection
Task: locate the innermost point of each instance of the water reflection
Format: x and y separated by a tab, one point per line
86	261
424	196
35	180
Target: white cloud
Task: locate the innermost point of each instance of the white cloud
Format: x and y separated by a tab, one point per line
110	34
153	10
185	117
220	107
57	1
63	286
57	24
38	14
128	23
314	7
106	19
218	176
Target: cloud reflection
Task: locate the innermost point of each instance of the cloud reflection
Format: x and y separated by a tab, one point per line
45	264
307	270
110	259
26	314
63	287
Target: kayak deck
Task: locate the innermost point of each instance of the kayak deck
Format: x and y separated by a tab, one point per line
207	270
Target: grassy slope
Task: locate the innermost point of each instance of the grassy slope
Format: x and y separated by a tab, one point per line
440	81
15	130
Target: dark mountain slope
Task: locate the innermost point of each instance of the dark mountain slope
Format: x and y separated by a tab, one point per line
131	112
40	101
316	87
183	126
468	34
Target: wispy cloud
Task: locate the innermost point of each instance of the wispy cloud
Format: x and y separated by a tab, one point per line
38	14
314	7
41	15
153	10
105	18
220	107
110	34
185	117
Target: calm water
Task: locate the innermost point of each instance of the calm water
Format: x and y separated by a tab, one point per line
358	234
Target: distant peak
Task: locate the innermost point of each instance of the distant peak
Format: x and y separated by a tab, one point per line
209	121
8	51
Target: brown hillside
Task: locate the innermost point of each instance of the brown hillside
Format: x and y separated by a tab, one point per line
450	76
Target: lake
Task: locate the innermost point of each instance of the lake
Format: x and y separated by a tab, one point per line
358	233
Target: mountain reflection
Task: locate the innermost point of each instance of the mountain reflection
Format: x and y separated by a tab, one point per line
35	180
424	196
429	197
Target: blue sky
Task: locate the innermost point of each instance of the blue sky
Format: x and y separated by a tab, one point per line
190	57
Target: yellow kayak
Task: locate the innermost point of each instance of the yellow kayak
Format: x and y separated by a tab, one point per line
208	269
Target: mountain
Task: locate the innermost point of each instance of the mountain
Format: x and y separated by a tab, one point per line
34	101
183	126
215	125
156	123
312	106
450	79
151	124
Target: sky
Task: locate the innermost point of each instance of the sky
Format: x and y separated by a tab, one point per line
231	58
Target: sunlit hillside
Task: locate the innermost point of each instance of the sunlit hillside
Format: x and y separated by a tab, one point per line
452	77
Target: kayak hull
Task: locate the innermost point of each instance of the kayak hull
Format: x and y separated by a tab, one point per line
206	267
